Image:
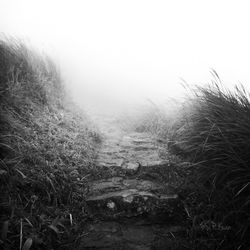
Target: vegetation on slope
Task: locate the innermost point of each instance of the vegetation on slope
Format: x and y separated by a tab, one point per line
212	132
46	151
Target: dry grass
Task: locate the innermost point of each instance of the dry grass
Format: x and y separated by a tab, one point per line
47	150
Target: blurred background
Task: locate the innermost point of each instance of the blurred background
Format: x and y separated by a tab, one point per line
114	54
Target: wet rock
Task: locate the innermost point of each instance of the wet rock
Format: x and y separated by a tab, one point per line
119	183
133	202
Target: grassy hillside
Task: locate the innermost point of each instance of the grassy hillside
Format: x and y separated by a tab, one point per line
47	150
211	131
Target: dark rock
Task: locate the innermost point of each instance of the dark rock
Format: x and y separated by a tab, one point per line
133	202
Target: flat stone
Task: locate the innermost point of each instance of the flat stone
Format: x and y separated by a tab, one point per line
105	161
124	193
119	183
133	202
154	163
106	185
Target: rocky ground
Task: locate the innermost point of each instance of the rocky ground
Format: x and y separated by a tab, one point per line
133	203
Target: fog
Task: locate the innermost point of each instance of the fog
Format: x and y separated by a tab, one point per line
117	53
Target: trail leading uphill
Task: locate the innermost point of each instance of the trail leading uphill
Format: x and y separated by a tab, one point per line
134	206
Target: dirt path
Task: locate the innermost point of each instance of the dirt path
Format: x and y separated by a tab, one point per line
134	207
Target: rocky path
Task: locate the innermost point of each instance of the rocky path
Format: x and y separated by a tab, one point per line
134	206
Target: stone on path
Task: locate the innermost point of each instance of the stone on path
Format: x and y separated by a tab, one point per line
135	208
117	197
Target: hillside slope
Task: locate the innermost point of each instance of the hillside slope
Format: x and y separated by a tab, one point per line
46	145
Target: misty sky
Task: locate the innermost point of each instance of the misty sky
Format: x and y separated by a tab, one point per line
121	51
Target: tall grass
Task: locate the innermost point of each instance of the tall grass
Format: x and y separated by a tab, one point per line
47	148
215	133
211	131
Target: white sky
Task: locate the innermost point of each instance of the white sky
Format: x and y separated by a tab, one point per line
117	50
